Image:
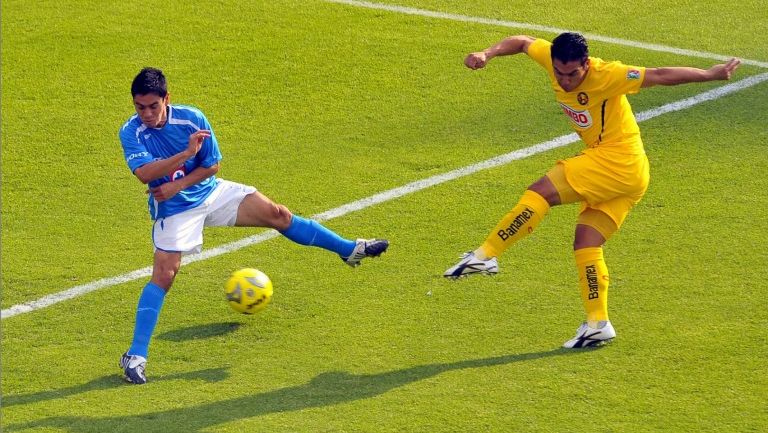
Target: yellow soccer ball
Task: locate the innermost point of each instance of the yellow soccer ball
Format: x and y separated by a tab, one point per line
248	291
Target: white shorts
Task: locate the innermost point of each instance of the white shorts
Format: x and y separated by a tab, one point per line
183	232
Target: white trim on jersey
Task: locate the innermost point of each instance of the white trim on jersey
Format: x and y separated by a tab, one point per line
173	121
139	130
129	121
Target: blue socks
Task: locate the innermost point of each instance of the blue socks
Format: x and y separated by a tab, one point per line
308	232
147	312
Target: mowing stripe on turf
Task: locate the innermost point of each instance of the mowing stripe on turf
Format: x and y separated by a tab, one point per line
540	28
381	197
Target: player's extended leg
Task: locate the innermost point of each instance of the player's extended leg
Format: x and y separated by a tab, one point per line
257	210
133	362
522	219
548	191
592	231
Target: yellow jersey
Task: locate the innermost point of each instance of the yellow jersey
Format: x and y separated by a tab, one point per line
598	109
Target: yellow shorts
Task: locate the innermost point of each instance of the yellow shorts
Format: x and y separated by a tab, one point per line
608	181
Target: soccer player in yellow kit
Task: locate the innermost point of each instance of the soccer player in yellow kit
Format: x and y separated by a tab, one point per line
608	178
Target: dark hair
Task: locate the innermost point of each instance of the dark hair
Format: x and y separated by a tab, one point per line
149	80
568	47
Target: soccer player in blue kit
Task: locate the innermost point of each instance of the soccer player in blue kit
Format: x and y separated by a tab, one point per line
172	149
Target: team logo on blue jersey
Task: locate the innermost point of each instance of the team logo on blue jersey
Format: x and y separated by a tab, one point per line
178	173
633	74
582	98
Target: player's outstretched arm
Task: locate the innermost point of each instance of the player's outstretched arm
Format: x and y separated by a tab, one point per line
511	45
681	75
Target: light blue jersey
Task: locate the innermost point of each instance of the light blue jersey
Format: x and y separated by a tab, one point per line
142	145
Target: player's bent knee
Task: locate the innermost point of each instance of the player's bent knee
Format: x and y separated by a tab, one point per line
565	192
587	237
546	190
593	229
164	280
280	218
164	273
598	220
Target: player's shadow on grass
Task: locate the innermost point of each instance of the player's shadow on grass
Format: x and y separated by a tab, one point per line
326	389
200	332
110	381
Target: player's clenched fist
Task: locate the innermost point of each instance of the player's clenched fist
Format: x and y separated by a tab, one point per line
476	60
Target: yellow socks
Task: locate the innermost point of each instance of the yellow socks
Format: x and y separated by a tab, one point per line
593	280
515	225
522	220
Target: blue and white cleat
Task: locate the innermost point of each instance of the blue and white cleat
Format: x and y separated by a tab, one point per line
587	336
133	368
366	248
470	265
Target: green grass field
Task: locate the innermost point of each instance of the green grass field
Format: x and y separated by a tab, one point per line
319	104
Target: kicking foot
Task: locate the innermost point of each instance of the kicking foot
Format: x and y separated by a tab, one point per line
470	264
366	248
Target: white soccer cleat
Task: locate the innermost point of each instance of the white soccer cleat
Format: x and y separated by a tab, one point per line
133	368
366	248
470	264
587	336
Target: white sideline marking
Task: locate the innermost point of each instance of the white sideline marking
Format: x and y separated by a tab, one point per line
382	197
540	28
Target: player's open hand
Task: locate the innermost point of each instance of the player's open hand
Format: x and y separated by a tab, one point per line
476	60
724	71
196	140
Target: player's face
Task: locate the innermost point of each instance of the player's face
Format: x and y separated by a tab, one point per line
152	109
570	74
